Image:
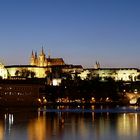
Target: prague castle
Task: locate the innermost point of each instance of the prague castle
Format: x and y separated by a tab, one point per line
40	66
43	61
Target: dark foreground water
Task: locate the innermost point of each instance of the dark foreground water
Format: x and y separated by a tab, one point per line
101	123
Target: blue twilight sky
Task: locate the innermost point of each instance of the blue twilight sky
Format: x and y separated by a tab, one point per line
80	31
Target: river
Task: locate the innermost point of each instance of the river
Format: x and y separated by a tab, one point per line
65	123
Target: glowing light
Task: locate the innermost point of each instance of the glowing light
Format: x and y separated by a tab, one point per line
133	101
92	100
56	82
44	101
39	99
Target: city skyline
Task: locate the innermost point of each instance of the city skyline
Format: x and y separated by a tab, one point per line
80	31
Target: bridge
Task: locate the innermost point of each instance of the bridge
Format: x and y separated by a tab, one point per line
134	98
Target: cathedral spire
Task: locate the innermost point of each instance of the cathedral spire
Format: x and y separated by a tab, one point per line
49	54
97	65
32	58
42	58
42	50
35	55
36	58
32	55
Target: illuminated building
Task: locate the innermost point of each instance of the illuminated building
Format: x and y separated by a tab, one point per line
3	71
124	74
41	66
43	61
19	92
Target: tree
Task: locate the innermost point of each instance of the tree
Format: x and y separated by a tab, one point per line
17	73
130	77
32	74
138	77
24	73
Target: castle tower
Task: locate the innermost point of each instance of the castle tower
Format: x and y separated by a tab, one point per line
97	65
32	59
49	55
42	58
36	59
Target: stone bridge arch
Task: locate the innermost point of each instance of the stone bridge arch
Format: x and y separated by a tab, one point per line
134	98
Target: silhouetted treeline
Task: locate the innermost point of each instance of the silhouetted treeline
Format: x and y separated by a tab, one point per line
78	89
91	88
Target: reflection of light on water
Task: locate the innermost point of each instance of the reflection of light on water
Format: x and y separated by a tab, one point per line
9	119
83	128
136	120
104	126
93	107
128	123
1	131
42	127
93	116
37	129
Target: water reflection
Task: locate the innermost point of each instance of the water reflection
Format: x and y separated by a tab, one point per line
1	130
128	124
60	125
9	119
37	129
